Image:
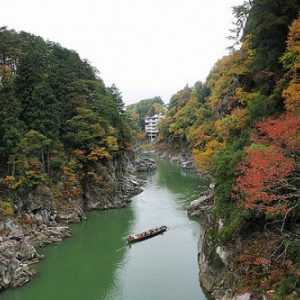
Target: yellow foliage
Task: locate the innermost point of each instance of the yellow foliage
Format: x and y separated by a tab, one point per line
204	158
294	37
11	182
230	124
6	208
69	174
225	70
200	135
292	97
112	143
98	153
98	130
292	92
245	97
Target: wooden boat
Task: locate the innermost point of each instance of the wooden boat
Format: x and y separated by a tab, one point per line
146	234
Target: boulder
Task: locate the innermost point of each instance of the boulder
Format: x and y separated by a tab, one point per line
145	165
202	205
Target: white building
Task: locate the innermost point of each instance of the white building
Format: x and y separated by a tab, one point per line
151	126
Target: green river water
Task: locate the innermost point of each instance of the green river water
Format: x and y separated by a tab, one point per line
96	263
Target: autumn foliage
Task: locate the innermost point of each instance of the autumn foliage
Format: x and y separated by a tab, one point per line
291	59
282	132
263	183
263	177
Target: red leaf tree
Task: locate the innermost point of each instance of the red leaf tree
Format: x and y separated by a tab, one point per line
282	132
263	179
263	182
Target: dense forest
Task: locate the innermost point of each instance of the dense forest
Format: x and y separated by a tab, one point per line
242	126
57	118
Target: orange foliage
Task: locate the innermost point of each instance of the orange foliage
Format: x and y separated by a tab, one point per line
282	132
200	135
69	175
264	174
26	219
128	146
79	152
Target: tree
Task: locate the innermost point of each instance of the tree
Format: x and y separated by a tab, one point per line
267	27
11	127
43	113
291	63
33	145
263	183
282	132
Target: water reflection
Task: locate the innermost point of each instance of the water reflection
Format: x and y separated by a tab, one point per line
186	185
164	267
82	267
96	264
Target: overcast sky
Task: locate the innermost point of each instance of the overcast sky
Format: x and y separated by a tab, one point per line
146	47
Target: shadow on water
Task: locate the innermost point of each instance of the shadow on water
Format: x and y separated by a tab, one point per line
82	267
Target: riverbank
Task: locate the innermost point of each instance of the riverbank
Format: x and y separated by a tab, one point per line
40	219
96	263
178	155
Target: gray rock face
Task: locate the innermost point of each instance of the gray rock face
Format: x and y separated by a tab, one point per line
40	218
182	158
202	205
144	164
18	251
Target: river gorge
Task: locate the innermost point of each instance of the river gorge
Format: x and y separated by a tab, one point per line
97	264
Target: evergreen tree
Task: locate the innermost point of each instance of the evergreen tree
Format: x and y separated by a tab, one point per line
11	127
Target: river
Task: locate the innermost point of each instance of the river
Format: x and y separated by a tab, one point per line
96	263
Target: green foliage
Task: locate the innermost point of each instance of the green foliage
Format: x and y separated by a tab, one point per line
233	225
258	108
287	287
11	127
54	108
44	112
267	26
225	207
293	250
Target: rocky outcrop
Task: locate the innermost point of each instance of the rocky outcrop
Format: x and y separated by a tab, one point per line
144	164
202	206
18	243
181	157
40	217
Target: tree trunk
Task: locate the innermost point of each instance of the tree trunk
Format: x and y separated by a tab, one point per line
43	158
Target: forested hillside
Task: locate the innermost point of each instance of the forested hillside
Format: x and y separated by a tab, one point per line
242	126
56	117
65	147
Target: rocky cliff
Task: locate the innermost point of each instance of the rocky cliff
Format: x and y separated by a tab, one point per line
40	217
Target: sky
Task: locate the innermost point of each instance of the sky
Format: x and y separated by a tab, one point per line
146	47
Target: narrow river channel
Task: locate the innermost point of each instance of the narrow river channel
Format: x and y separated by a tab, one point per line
96	263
